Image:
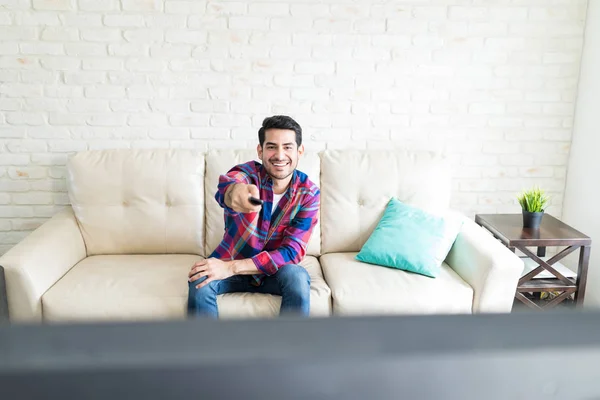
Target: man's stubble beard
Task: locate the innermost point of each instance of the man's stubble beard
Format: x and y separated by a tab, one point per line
268	168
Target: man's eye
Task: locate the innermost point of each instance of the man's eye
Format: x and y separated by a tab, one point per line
288	147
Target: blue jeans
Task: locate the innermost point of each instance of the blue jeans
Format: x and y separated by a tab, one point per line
291	282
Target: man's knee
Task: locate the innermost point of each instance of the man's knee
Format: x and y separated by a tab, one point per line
293	275
204	293
203	301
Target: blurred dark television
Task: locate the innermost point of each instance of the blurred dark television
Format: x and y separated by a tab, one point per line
512	356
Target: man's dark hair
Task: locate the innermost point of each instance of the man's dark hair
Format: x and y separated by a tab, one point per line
279	122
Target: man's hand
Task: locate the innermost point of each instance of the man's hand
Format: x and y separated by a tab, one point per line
212	268
237	198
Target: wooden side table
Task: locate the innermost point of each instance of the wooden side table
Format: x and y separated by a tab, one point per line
508	228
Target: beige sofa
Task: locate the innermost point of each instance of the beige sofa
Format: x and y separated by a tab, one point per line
140	219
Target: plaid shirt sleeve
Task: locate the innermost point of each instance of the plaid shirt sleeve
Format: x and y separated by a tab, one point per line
296	236
238	174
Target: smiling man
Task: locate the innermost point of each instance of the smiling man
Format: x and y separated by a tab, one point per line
263	244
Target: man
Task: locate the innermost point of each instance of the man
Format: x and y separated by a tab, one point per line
262	245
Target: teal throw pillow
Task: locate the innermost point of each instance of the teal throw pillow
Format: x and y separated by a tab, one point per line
411	239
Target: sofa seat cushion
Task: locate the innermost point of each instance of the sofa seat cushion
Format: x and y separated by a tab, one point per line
143	287
363	289
234	305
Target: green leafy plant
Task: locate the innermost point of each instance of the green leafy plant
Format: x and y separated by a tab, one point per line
533	200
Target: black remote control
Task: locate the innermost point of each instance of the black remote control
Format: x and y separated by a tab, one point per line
255	201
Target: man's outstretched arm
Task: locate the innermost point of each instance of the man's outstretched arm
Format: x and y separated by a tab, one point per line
234	189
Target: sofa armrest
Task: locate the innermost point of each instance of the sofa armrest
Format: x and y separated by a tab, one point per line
38	262
491	269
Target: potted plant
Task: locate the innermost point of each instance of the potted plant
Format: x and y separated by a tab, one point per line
533	203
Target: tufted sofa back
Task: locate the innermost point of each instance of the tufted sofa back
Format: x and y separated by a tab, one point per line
357	185
162	201
138	201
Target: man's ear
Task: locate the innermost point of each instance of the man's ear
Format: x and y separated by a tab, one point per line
259	151
301	150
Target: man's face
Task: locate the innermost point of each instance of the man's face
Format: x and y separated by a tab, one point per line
280	153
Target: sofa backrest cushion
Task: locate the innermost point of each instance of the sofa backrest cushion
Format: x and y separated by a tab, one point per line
356	186
219	162
139	201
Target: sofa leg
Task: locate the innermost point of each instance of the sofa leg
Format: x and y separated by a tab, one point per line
3	299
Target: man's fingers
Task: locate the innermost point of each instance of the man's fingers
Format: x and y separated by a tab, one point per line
253	191
245	207
204	283
196	269
197	276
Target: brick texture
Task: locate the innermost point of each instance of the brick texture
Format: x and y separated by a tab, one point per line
492	83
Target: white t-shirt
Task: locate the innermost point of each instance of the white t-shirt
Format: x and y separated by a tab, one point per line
276	198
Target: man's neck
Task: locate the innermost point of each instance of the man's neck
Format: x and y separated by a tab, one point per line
280	186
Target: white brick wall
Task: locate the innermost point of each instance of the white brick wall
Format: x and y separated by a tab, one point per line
493	83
